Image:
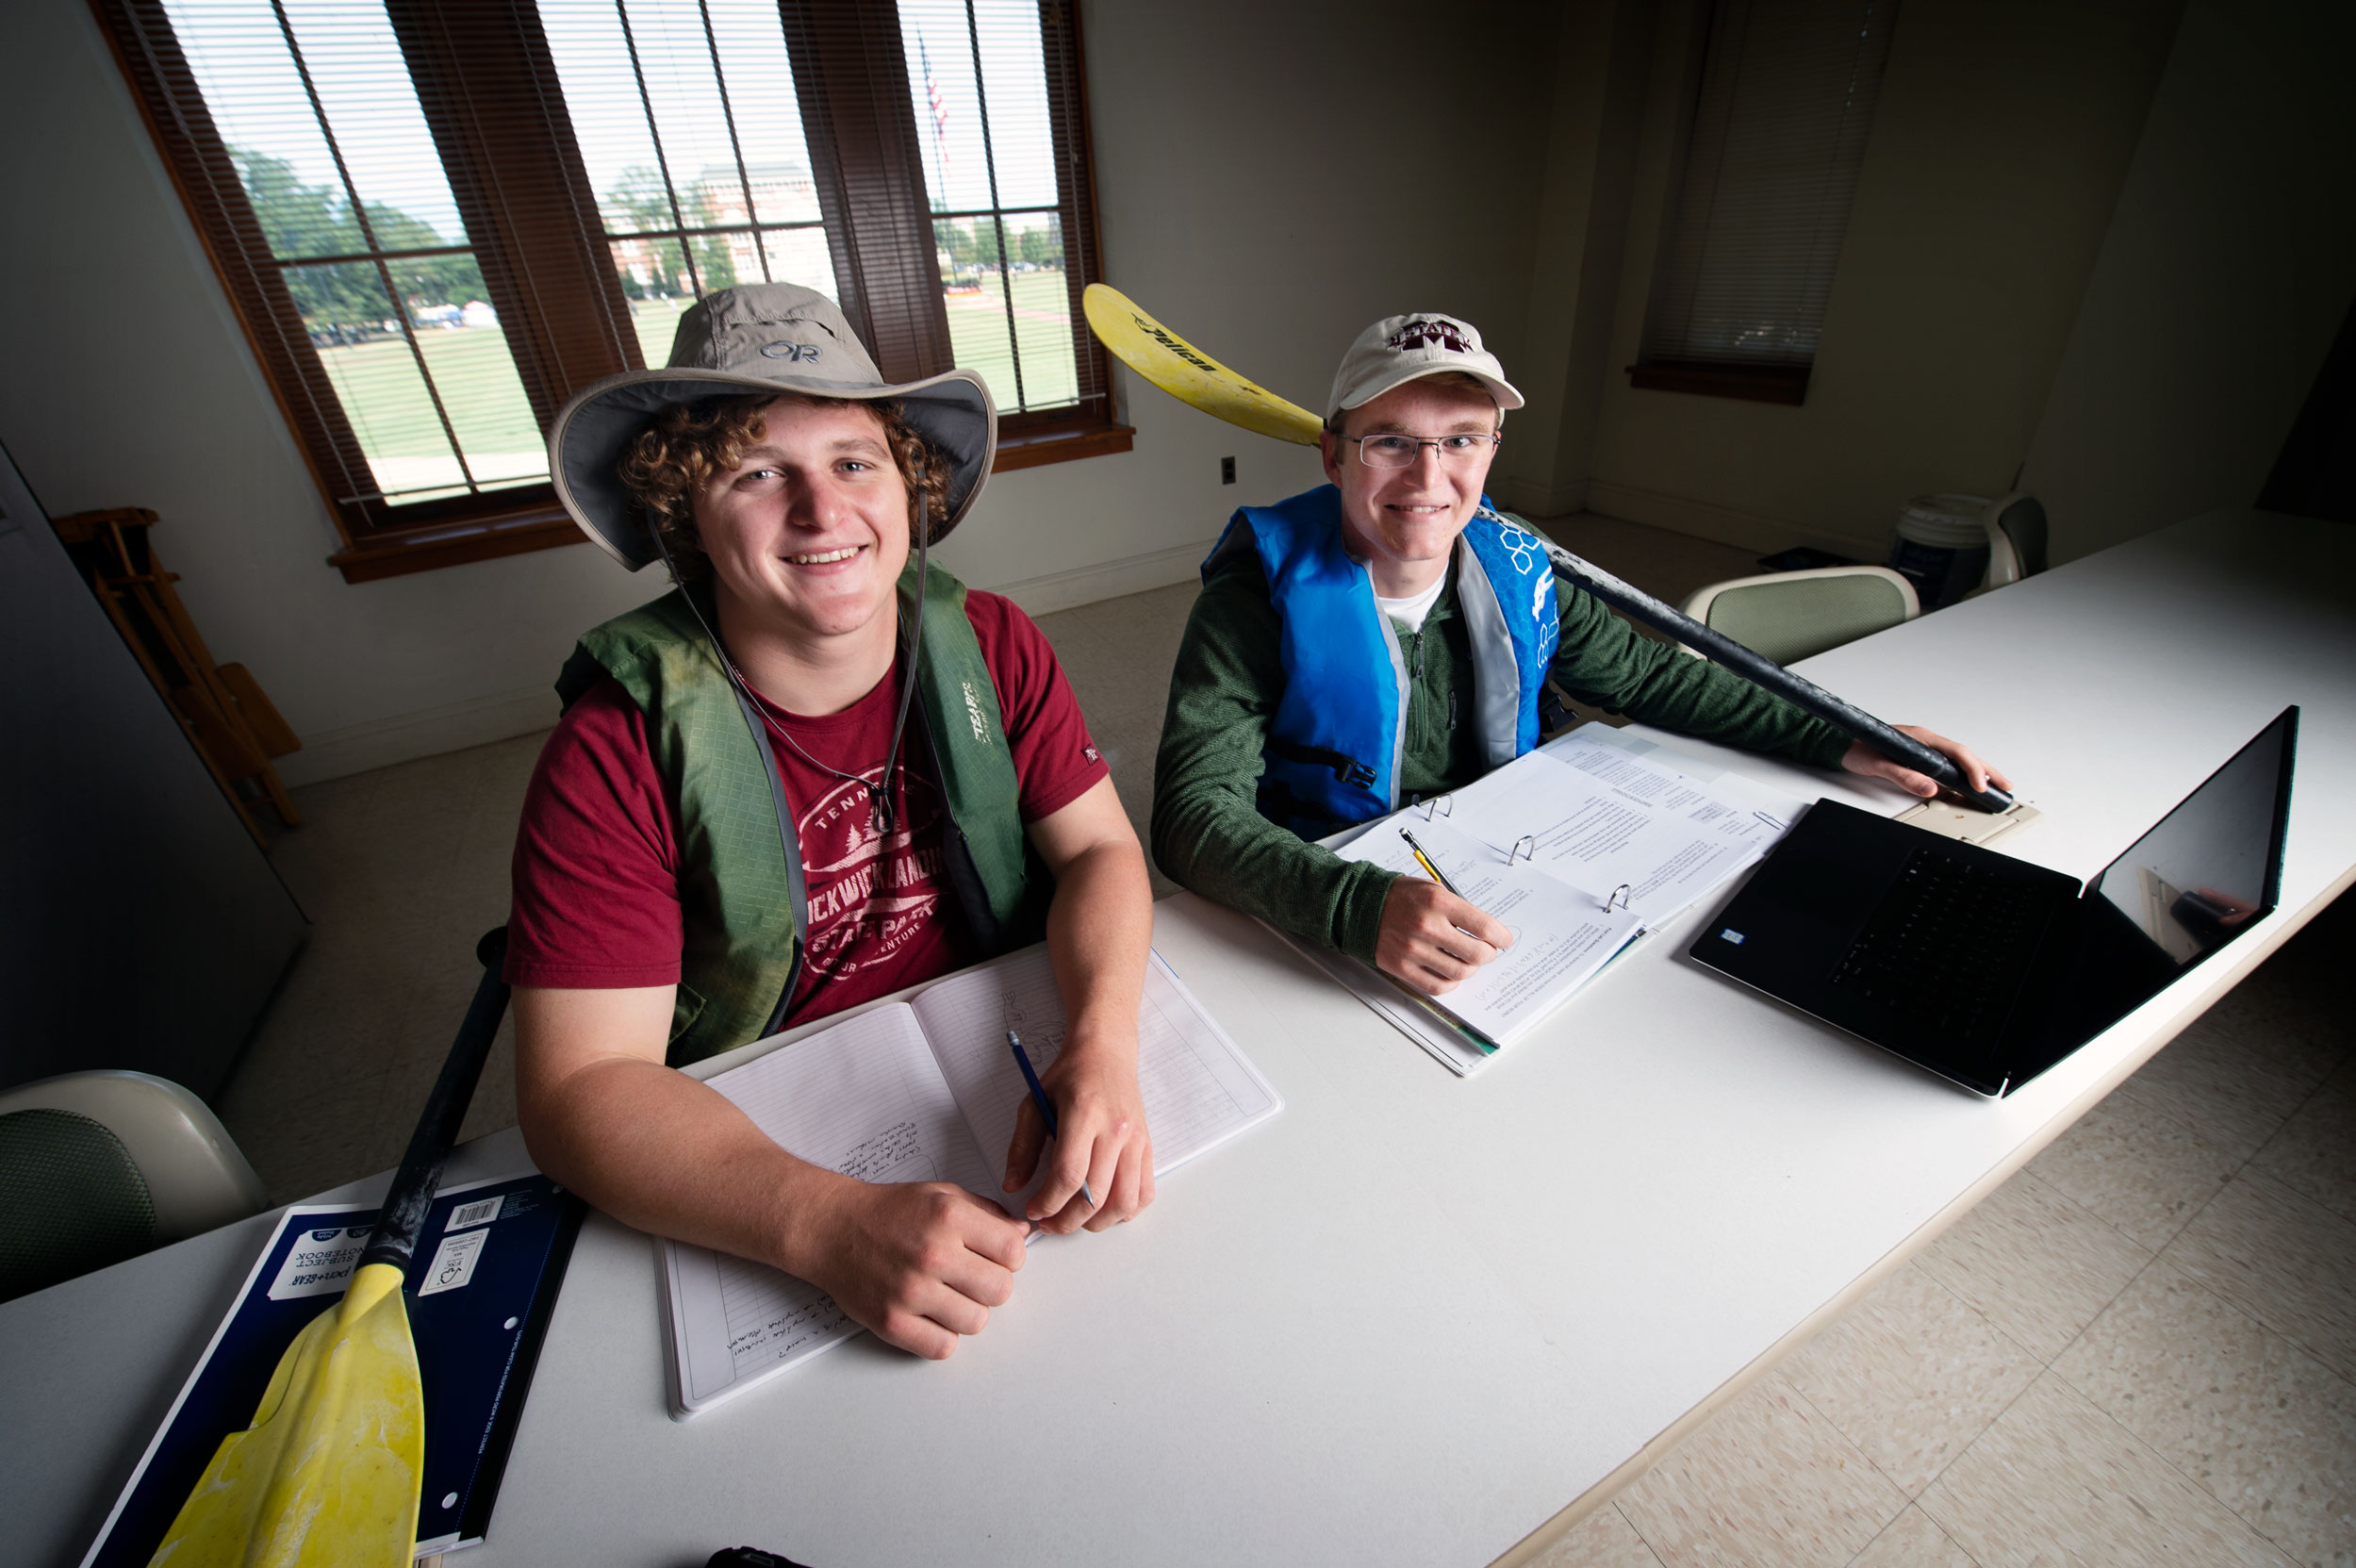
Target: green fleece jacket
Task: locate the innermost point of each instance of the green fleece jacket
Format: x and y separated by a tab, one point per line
1209	836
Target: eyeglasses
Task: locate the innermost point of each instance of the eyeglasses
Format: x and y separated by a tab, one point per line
1399	452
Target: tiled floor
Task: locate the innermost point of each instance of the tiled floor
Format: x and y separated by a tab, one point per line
2139	1350
2142	1349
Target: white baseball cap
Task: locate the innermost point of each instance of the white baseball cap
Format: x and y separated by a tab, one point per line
1399	349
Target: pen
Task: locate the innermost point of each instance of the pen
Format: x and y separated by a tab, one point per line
1039	1098
1426	862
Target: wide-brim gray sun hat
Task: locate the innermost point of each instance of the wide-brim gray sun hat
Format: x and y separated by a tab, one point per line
774	338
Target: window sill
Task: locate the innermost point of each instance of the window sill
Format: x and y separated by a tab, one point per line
546	525
540	527
1787	384
1061	443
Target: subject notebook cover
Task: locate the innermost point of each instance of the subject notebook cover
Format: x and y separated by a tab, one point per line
481	1287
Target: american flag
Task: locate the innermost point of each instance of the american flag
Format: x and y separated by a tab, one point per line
932	91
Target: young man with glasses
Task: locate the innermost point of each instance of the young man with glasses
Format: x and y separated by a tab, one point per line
1387	638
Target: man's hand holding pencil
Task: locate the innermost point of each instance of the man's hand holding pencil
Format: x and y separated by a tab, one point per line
1432	938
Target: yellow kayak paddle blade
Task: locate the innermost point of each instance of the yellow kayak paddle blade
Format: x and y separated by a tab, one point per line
329	1472
1190	376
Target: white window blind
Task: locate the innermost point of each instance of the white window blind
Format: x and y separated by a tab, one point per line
689	126
988	140
1785	101
314	102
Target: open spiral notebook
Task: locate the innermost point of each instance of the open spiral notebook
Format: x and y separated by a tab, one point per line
925	1090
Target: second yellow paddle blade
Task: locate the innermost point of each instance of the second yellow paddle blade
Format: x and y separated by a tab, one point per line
328	1474
1187	374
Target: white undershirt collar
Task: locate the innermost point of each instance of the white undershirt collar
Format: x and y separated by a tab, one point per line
1409	612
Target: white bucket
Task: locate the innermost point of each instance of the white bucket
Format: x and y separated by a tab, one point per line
1942	546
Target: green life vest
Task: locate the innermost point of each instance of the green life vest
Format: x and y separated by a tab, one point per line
740	880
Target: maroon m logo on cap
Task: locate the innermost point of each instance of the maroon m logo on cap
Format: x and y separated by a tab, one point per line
1421	333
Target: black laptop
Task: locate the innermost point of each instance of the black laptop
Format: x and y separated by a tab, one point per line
1986	970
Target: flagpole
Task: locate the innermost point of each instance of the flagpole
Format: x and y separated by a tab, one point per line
940	119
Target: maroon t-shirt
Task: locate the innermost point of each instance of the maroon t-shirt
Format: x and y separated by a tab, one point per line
597	859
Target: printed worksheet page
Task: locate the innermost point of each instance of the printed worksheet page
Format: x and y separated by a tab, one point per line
864	1099
1562	934
1198	1087
1607	811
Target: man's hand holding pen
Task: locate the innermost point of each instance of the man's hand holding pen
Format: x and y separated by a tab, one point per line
1099	1147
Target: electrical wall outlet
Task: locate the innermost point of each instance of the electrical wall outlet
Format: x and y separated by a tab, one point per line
1227	471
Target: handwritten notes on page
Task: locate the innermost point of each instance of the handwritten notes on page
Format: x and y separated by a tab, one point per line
1198	1088
927	1092
864	1099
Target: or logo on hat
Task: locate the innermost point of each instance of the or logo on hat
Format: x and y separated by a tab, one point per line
1423	333
798	352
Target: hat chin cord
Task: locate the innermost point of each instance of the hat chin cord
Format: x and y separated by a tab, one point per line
880	792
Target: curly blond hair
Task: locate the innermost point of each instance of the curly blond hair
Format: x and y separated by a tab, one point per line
690	443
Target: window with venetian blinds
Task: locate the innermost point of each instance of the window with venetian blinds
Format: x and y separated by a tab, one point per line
439	218
1770	164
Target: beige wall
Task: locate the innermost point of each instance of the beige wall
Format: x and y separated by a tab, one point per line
1274	176
2225	275
1603	64
1235	205
2004	131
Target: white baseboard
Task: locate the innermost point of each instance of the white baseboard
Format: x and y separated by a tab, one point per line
407	736
1541	501
1063	590
1724	525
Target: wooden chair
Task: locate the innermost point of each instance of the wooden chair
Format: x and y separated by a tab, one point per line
228	717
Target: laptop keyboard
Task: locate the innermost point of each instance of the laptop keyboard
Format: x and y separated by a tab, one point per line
1941	943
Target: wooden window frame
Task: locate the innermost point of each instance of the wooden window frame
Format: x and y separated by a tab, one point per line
1724	378
556	289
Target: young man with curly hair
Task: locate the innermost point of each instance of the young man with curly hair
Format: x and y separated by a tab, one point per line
818	772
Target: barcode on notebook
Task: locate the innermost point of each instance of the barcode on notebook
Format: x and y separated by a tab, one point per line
481	1211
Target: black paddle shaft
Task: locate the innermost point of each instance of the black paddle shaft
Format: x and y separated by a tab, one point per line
420	1173
1762	671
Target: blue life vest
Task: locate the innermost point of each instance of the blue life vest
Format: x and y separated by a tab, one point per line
1331	756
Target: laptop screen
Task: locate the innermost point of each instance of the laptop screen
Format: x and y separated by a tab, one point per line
2213	865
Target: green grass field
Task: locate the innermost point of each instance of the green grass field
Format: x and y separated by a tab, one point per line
657	323
1043	331
386	402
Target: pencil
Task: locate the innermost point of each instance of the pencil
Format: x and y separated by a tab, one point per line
1426	862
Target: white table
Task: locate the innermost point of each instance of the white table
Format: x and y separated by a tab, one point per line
1413	1318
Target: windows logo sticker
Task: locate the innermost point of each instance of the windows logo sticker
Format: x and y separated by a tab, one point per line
1730	935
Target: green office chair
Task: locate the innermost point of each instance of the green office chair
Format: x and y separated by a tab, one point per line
1792	615
99	1166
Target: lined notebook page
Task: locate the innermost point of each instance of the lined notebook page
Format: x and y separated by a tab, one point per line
864	1099
1197	1087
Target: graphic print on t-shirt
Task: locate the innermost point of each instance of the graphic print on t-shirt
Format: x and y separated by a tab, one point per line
871	893
599	867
